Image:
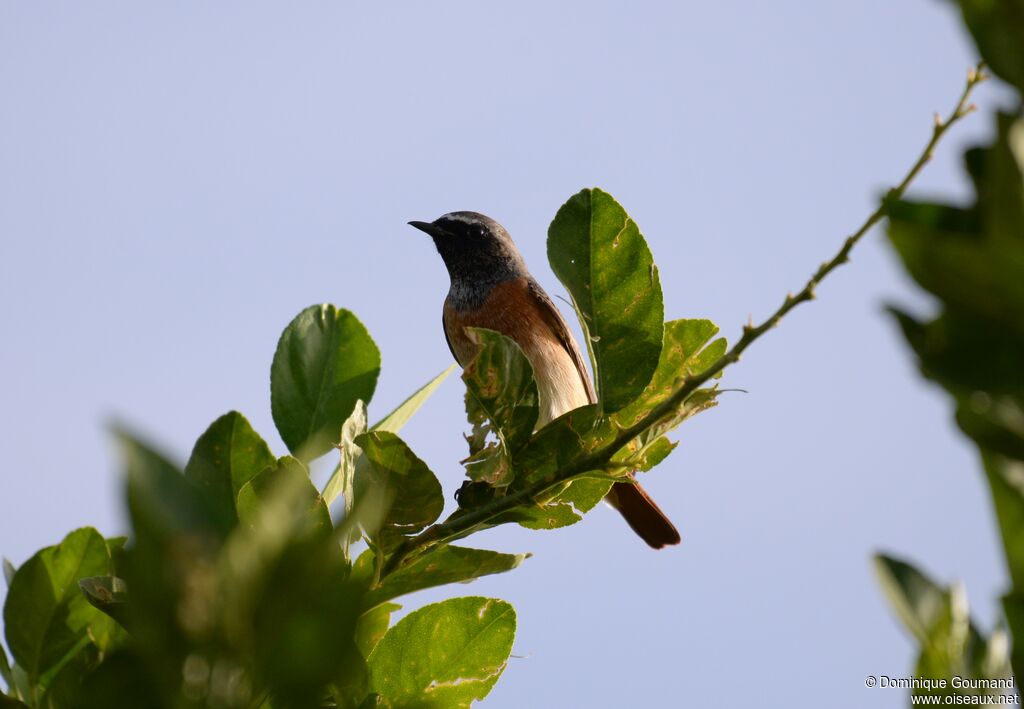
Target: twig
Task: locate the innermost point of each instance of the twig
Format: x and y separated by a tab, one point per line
466	521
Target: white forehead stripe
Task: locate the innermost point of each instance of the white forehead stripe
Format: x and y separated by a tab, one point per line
465	218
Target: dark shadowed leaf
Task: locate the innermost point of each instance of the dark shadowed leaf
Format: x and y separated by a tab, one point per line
973	258
46	618
447	564
162	500
447	654
178	532
108	594
598	253
227	456
123	680
415	494
997	27
288	473
325	362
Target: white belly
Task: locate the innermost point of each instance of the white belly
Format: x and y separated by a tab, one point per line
558	381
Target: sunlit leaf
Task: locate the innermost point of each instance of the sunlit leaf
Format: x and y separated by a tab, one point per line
972	258
46	618
598	253
325	362
227	456
447	654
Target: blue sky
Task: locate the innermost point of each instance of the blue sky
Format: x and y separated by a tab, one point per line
178	180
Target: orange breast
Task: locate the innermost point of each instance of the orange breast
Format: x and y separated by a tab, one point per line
513	311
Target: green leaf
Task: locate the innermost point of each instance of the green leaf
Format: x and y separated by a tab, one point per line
447	654
598	253
8	571
447	564
5	670
1008	499
689	350
64	683
565	506
501	402
500	380
917	600
11	703
108	594
282	589
123	680
973	258
286	473
415	494
939	619
372	626
46	618
325	362
1013	608
178	532
997	27
161	500
394	421
227	456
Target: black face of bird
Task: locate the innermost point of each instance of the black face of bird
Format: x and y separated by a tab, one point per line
474	247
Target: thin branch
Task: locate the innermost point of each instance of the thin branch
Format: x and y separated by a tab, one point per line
464	522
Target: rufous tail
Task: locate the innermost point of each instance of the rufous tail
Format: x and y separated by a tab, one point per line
643	515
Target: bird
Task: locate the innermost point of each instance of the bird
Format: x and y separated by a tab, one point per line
492	288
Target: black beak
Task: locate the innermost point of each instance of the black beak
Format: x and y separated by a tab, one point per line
428	228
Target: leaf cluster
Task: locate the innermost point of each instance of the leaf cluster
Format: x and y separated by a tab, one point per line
971	258
237	587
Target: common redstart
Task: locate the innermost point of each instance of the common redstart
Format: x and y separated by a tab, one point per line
492	288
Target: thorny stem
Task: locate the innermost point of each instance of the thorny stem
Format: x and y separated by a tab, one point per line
463	523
